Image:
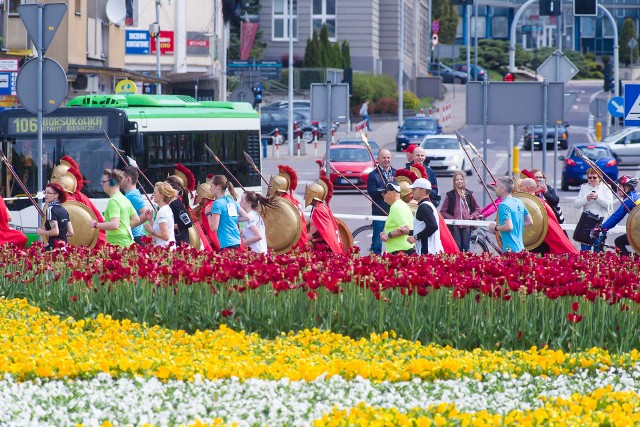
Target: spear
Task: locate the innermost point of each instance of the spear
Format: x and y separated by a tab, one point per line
602	177
373	159
224	167
21	184
461	140
255	168
355	186
459	135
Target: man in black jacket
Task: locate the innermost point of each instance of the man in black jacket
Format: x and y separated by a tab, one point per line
377	179
426	231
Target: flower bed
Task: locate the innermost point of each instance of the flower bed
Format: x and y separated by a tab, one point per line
102	372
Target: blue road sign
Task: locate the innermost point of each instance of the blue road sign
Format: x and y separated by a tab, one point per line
631	105
616	106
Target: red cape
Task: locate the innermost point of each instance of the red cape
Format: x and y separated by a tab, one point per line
302	243
8	234
448	243
324	221
212	237
203	237
78	196
558	242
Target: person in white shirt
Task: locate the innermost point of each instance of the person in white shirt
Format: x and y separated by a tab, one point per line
161	229
254	231
594	197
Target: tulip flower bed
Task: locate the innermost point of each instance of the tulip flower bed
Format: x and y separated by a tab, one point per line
101	372
513	302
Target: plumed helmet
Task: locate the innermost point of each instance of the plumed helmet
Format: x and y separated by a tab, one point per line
59	171
526	174
291	175
62	176
278	183
316	191
204	192
405	178
66	160
186	176
419	170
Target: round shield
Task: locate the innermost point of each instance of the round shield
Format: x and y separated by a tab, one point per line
633	229
345	235
534	234
283	225
79	216
194	237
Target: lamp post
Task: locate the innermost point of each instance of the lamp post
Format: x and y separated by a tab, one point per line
154	32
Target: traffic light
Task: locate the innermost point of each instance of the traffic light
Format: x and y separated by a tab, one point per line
585	7
257	93
550	8
509	77
608	80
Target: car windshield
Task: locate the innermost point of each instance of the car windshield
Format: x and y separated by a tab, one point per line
348	155
616	135
594	153
419	125
440	144
372	143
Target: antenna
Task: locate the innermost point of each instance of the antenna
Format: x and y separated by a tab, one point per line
116	11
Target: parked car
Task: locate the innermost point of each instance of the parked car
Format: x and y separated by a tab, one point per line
463	69
303	106
445	154
375	148
448	75
536	132
270	120
353	161
414	129
625	144
574	172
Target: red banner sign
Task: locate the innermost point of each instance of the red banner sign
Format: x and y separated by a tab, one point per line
198	43
248	32
166	43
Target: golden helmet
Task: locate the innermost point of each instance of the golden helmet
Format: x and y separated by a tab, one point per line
405	178
66	179
204	192
277	183
316	191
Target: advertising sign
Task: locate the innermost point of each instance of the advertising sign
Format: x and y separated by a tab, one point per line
166	43
137	42
197	44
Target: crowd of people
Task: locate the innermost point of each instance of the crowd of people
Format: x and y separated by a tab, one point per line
413	225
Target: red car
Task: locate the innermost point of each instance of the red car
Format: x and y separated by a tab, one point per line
353	162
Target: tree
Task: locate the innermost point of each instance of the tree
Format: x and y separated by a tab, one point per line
311	53
321	53
628	32
345	50
447	16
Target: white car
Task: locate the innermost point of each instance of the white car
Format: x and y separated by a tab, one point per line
446	155
626	145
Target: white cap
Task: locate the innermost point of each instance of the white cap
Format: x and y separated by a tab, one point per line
421	183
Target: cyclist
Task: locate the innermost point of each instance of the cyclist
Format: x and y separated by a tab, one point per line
631	198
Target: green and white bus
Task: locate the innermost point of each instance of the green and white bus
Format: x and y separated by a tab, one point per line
157	131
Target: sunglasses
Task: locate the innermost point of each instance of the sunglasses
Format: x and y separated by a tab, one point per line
384	192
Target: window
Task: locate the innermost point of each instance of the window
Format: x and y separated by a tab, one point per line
607	29
500	27
13	6
281	20
78	7
324	13
479	28
587	26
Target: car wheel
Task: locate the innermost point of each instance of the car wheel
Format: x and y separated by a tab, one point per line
564	145
564	186
280	139
398	147
467	172
307	136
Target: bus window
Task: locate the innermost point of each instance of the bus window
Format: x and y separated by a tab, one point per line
23	154
93	156
199	140
184	149
216	143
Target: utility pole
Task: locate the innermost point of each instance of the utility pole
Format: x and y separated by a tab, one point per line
155	28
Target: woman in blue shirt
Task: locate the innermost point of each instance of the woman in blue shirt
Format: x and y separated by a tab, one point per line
225	213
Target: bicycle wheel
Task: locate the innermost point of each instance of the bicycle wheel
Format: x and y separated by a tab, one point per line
362	238
477	245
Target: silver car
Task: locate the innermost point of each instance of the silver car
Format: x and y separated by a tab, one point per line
625	143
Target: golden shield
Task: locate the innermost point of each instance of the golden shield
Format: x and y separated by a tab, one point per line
633	229
79	216
346	238
282	224
534	234
194	237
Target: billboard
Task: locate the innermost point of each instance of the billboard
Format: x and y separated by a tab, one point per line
137	42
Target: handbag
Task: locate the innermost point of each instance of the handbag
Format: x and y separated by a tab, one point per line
588	221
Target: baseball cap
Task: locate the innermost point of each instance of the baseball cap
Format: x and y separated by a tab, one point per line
392	186
410	148
421	183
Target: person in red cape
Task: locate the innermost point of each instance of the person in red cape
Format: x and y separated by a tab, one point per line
204	199
556	242
283	185
7	234
68	175
324	227
449	245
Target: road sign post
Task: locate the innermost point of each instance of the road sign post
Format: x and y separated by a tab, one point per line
632	105
329	103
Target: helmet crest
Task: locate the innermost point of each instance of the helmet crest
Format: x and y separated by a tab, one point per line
293	176
186	175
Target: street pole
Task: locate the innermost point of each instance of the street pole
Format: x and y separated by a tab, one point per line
290	89
401	68
430	45
467	10
158	68
475	45
616	55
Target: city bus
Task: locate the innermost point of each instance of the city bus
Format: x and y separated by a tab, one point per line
157	131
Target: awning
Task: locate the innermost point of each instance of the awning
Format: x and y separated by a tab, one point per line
123	73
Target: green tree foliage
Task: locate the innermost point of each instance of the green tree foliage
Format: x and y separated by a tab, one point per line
321	53
372	87
252	7
628	32
447	16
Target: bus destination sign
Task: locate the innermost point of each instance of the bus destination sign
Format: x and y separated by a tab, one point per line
59	124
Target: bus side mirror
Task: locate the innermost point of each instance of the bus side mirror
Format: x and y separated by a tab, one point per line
137	144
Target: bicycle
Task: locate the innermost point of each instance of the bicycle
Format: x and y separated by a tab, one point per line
483	242
362	238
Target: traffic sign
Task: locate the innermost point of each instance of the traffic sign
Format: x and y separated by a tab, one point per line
598	108
52	15
54	85
435	26
631	105
557	68
616	106
434	39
